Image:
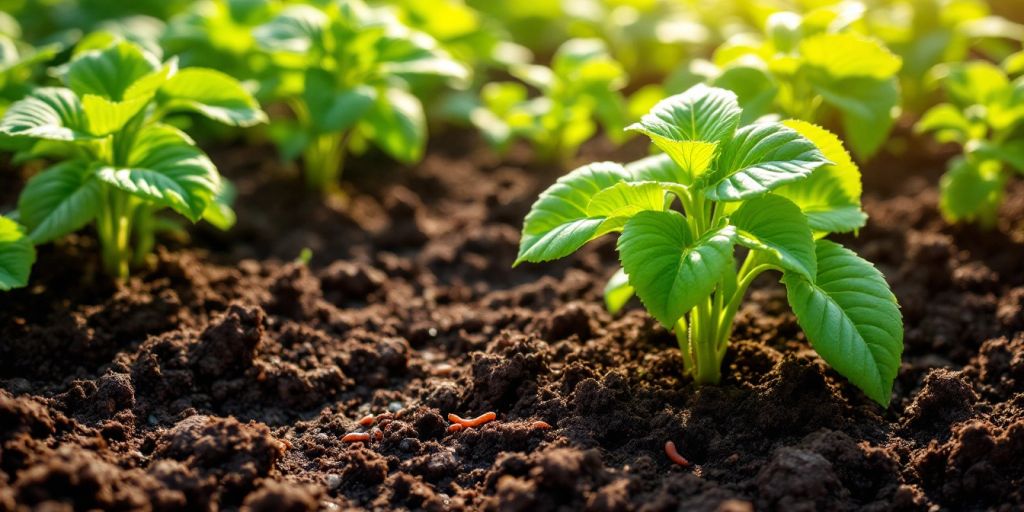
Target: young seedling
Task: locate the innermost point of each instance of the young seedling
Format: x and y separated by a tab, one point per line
775	189
984	116
345	70
583	84
17	254
119	164
809	68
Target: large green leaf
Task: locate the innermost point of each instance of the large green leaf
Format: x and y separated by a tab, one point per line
109	73
17	254
754	87
398	126
869	107
59	200
701	114
624	199
558	222
761	157
851	319
972	192
50	113
975	82
212	94
830	196
669	268
166	168
332	109
774	224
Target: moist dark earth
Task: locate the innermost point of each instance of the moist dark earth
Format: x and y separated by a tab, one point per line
224	376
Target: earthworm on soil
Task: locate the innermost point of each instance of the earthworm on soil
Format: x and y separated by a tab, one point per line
542	425
455	427
367	420
670	450
355	437
486	417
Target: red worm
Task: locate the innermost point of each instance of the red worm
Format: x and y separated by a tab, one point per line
455	427
673	455
475	422
367	420
378	435
542	425
356	437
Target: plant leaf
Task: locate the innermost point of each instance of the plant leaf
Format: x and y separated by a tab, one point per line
774	224
109	73
558	223
618	292
848	54
296	30
59	200
830	196
658	167
670	270
398	126
17	254
49	113
972	192
166	168
701	114
212	94
851	319
869	107
624	199
759	158
334	110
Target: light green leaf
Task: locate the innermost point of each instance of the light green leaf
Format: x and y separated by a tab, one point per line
219	212
851	319
166	168
212	94
754	87
774	224
617	292
759	158
59	200
17	254
947	120
296	30
624	199
398	126
670	269
972	192
830	196
975	82
848	54
658	167
106	116
333	110
558	223
109	73
701	114
49	113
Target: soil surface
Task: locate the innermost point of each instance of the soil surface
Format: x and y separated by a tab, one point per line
225	376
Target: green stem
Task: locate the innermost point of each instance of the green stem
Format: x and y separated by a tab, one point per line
323	160
682	333
114	227
751	268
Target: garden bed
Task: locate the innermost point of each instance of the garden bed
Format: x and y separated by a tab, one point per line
228	375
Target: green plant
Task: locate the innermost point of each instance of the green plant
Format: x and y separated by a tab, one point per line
119	163
810	68
984	116
17	254
19	61
774	188
348	82
582	84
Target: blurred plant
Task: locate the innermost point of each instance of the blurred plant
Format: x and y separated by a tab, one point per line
811	67
17	254
20	63
581	87
984	116
345	71
120	164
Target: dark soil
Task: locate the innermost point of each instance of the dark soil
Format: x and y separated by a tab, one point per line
226	375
